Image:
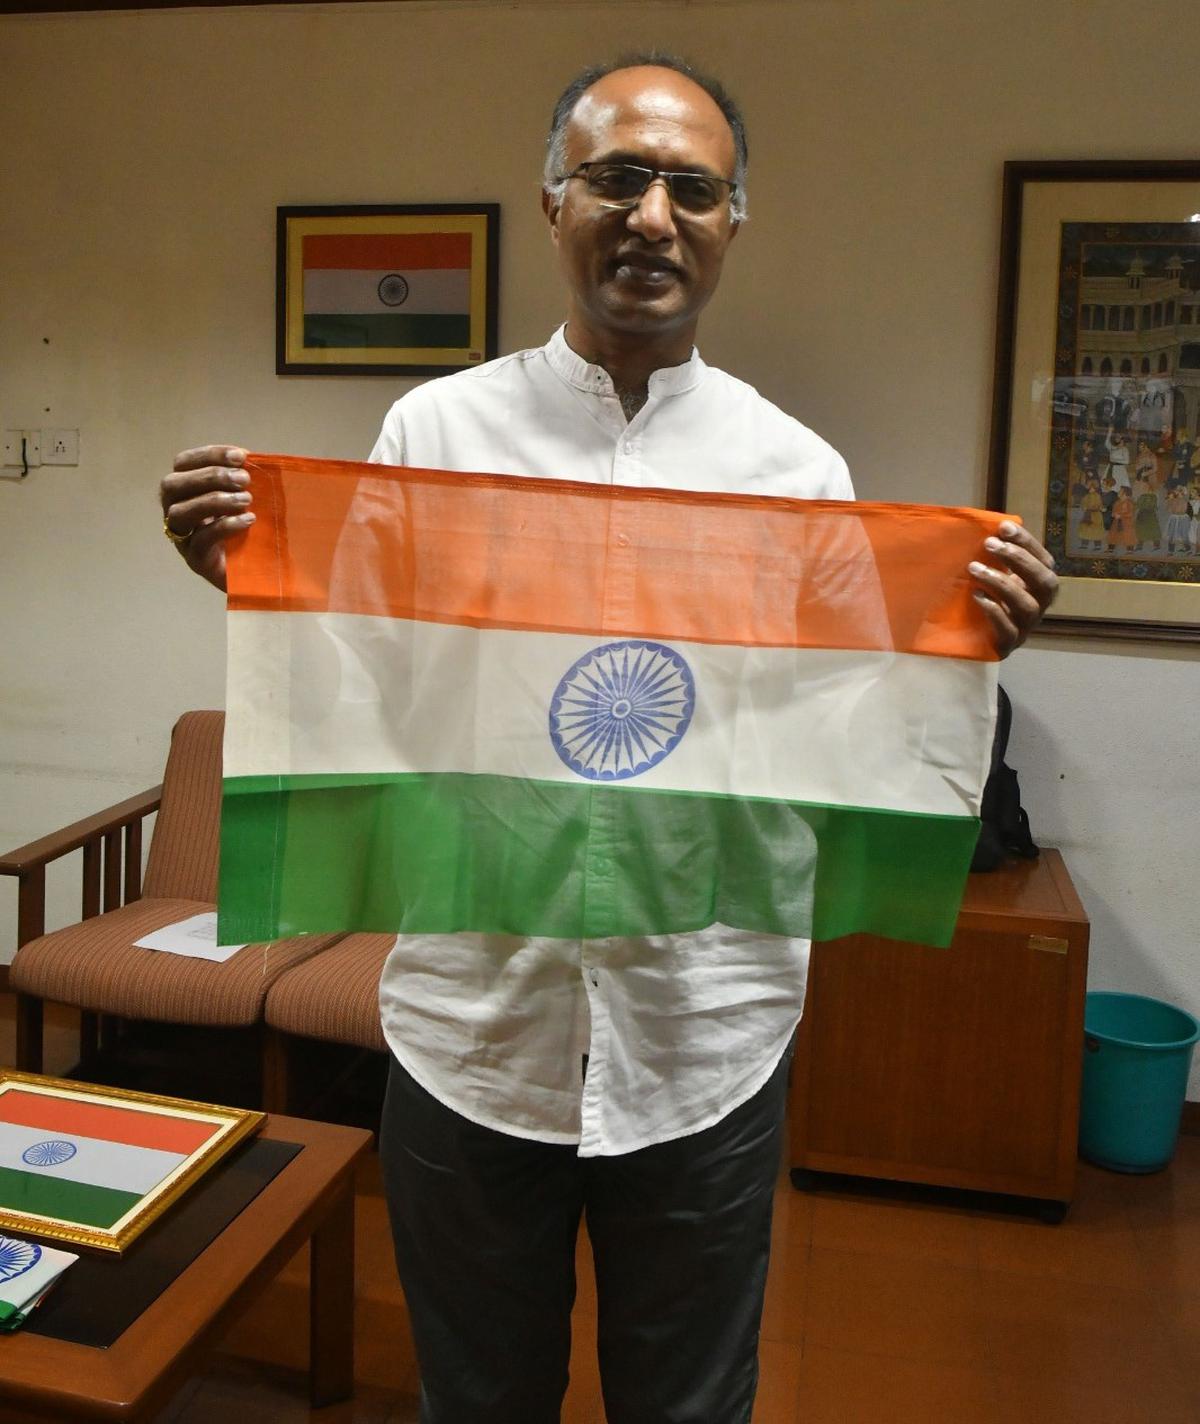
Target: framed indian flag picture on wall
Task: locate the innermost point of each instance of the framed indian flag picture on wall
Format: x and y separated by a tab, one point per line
386	291
95	1166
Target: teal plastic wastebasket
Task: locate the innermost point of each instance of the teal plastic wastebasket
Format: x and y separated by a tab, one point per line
1137	1056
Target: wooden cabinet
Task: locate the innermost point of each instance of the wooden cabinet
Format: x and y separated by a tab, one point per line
958	1067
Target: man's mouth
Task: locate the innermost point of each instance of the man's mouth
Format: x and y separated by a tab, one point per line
645	268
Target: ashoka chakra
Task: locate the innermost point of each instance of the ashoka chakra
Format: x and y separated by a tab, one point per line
48	1154
620	709
17	1257
393	290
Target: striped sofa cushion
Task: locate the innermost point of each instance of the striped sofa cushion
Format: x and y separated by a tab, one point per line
96	966
335	996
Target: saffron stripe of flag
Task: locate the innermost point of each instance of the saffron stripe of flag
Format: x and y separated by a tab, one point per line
136	1126
561	556
462	702
394	252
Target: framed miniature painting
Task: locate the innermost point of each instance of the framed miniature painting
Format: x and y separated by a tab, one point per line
1096	408
385	291
95	1166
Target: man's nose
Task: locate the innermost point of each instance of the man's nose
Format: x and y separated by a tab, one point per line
652	216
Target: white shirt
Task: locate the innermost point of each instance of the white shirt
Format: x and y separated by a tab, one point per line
678	1029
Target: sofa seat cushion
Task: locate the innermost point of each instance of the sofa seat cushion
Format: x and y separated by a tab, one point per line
336	996
96	965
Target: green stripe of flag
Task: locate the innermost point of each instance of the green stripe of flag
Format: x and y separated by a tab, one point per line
426	853
43	1195
390	329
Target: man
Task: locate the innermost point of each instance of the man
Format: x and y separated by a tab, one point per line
639	1080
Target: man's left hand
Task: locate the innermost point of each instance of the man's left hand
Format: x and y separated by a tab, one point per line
1015	596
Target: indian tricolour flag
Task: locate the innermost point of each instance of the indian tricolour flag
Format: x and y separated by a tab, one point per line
400	290
88	1163
480	702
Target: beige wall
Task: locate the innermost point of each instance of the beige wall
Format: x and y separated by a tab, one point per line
145	155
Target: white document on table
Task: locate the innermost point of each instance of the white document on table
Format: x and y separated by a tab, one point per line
195	937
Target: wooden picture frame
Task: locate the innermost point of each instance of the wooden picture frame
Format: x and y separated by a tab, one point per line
386	290
95	1166
1095	438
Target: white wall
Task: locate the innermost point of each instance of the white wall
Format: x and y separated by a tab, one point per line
145	154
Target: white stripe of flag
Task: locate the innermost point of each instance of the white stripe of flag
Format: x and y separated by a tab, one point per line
823	725
431	292
94	1162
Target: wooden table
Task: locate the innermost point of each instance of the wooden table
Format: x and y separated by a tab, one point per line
311	1199
957	1067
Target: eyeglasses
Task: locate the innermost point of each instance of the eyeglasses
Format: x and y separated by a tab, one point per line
623	185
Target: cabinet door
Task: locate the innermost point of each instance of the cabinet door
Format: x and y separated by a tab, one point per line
957	1066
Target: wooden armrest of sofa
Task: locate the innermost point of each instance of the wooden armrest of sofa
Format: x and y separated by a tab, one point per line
105	830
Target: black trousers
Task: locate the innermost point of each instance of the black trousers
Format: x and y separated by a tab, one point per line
485	1226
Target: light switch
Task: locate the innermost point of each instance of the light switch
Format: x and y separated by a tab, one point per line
22	448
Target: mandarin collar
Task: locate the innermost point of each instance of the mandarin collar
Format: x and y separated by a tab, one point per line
669	381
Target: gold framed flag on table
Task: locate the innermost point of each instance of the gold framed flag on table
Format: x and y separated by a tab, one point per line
385	290
95	1166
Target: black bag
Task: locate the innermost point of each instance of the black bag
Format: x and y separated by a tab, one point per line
1004	826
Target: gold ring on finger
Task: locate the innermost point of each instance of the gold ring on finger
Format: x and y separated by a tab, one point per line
176	539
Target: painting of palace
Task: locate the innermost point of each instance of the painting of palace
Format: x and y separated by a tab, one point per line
1123	497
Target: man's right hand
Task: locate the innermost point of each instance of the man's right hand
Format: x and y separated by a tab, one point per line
206	500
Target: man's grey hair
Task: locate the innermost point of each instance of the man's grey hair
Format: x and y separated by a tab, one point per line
553	176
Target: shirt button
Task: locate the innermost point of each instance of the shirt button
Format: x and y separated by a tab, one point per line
593	978
623	540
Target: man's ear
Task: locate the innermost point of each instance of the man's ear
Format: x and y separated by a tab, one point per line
551	206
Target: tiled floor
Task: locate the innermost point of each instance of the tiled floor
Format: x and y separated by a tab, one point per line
879	1308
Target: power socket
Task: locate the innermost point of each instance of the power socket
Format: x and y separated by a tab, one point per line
60	447
31	456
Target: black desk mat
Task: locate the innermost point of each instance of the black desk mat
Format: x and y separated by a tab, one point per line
100	1296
